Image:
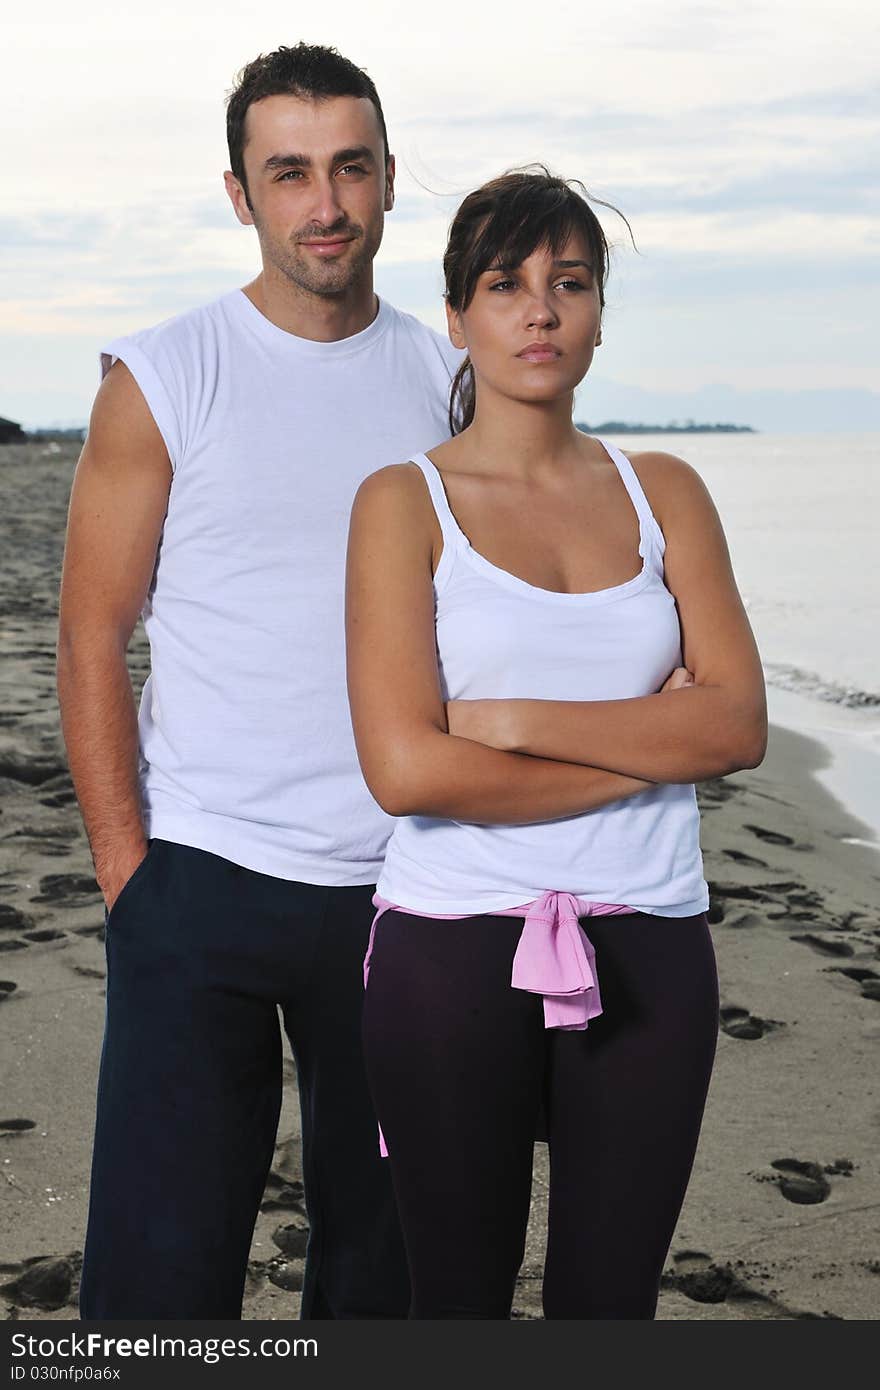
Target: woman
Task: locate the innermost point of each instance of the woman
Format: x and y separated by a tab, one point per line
525	607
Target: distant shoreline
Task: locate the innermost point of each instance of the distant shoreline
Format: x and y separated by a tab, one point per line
77	434
690	427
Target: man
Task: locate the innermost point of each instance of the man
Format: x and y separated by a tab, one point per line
234	840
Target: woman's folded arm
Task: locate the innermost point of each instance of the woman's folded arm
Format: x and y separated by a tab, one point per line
411	763
715	726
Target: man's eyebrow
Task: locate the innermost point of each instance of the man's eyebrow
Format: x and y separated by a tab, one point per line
361	153
287	161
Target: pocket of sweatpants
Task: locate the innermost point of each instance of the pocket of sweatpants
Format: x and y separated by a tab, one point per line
130	885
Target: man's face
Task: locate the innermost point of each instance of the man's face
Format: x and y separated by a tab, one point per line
318	187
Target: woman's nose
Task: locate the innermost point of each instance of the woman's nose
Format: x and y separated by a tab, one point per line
540	313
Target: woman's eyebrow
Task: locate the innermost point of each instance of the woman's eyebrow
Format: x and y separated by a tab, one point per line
557	265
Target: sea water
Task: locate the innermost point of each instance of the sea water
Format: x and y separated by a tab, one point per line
801	516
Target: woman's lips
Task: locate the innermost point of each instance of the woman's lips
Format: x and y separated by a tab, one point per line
538	352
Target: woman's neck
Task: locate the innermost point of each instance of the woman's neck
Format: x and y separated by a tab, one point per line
521	437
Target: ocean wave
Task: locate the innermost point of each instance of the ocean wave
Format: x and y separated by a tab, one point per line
808	683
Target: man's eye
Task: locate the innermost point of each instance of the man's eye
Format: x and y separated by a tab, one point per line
289	174
503	285
352	169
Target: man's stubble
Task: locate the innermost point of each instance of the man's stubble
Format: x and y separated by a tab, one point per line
327	279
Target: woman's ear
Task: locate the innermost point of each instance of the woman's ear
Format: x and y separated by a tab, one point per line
453	325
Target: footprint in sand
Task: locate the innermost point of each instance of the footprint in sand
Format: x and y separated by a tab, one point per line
770	837
869	980
739	1023
826	946
704	1280
13	920
31	772
280	1194
17	1126
45	1283
286	1276
7	988
58	799
72	888
801	1181
739	857
44	934
13	945
291	1240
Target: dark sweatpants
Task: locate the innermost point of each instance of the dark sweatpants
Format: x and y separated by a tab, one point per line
200	955
459	1064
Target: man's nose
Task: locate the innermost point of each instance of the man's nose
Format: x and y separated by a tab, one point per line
327	209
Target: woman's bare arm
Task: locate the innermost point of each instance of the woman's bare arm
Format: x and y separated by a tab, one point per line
411	764
715	726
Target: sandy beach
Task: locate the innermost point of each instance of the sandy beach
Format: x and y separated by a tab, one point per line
781	1218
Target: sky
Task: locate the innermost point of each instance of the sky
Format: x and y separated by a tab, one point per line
741	141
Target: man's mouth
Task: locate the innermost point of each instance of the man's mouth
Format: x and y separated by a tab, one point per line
327	246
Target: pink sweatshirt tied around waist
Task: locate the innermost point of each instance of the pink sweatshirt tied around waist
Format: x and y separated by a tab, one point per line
554	956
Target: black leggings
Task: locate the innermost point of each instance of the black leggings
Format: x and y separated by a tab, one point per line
460	1063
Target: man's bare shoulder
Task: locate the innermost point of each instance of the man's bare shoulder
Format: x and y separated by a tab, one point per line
122	427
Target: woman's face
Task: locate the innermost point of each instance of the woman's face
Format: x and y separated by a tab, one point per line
530	330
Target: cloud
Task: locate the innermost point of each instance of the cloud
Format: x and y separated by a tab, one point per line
738	139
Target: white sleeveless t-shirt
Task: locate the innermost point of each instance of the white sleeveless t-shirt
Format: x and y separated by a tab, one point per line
245	734
499	637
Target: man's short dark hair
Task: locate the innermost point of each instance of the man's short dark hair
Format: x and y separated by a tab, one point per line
306	70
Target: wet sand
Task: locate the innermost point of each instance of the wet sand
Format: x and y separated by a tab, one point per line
780	1220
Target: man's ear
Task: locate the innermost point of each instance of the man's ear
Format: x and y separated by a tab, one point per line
390	171
238	199
453	326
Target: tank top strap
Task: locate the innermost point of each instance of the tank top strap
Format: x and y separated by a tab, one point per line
651	539
452	534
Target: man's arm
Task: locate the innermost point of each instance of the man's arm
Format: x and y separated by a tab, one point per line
410	762
715	726
117	509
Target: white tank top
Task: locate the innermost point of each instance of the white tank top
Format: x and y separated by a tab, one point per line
501	638
245	733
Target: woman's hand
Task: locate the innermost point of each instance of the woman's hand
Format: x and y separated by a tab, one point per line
494	722
679	680
491	722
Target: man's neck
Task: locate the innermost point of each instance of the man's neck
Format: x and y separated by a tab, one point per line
322	318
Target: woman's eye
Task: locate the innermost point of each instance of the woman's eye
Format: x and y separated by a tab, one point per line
502	285
569	285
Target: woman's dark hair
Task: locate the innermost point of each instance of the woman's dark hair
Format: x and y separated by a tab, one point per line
306	70
502	223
